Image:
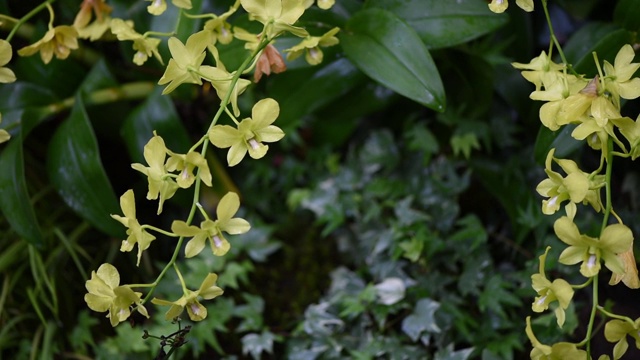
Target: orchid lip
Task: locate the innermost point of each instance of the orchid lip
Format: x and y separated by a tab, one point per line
255	145
216	241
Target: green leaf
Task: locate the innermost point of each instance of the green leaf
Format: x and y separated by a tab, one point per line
19	95
75	170
234	272
15	202
471	234
371	41
449	353
335	123
560	140
251	313
314	89
605	39
390	291
61	77
627	14
497	293
422	319
156	113
255	344
444	23
464	143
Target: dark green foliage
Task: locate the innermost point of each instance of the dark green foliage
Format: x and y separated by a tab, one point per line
385	225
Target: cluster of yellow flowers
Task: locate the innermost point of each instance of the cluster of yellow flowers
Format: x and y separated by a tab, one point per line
167	171
593	105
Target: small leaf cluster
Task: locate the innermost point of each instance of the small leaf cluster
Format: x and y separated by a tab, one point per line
414	262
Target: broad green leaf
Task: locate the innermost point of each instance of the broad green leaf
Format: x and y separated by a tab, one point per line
99	77
603	38
61	77
422	319
560	140
336	121
15	202
76	171
19	95
156	113
627	14
317	90
444	23
390	52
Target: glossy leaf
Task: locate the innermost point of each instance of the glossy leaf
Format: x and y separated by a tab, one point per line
156	113
605	39
15	202
390	52
21	94
444	23
61	77
76	171
336	122
560	140
314	92
627	14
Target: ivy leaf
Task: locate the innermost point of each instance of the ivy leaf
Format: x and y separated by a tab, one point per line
495	295
471	235
390	291
412	249
449	354
255	344
464	143
251	313
406	215
206	332
422	319
321	322
234	272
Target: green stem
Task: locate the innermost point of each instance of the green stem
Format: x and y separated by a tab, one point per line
554	39
131	91
158	33
164	232
28	16
583	285
199	16
608	206
592	316
615	316
202	211
184	286
605	221
205	143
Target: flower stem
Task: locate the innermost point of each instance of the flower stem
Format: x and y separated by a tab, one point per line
554	39
205	142
158	230
619	317
28	16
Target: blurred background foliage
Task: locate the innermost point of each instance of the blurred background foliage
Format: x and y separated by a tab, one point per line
396	220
